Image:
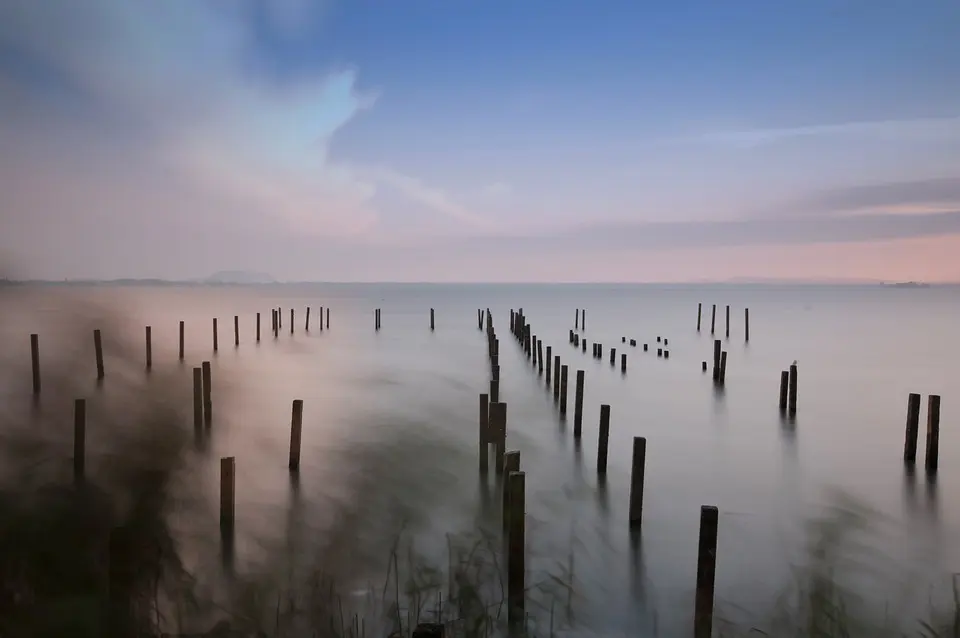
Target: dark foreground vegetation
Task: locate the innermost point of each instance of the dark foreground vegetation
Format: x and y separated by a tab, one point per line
132	549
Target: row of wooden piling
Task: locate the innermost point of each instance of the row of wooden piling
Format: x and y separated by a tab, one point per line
713	320
707	542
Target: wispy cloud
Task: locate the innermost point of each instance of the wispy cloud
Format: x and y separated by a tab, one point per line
940	194
433	198
911	130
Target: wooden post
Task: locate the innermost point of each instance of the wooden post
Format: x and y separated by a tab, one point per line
706	572
933	433
699	315
306	322
149	347
746	324
603	440
484	437
291	321
785	383
613	356
584	345
511	463
576	319
258	327
215	344
728	322
431	319
207	393
279	319
480	319
497	429
549	360
713	318
236	331
660	352
578	405
792	404
35	361
321	319
540	357
197	399
181	340
723	368
79	438
583	320
494	390
716	359
495	373
516	545
563	390
328	318
913	426
98	351
556	378
636	481
227	491
273	322
296	428
623	363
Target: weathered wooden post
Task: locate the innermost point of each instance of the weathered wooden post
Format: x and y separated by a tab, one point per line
913	427
636	481
723	368
623	363
584	345
540	357
603	440
728	322
431	319
713	318
583	320
784	385
328	318
516	545
207	393
197	399
699	314
79	438
578	405
273	322
279	319
495	372
792	405
576	319
933	434
746	324
236	331
258	327
511	463
321	319
706	572
494	390
556	378
228	484
716	359
660	352
484	437
296	429
549	360
215	338
181	340
563	390
480	319
306	322
35	361
149	346
613	357
497	429
98	352
291	321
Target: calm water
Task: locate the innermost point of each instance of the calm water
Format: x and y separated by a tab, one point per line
860	352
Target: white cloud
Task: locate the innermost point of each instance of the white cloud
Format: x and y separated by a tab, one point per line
432	197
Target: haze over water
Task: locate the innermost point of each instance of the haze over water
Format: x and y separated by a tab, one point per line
860	351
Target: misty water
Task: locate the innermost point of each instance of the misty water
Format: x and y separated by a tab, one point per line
390	430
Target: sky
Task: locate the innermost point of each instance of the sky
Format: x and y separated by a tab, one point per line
481	140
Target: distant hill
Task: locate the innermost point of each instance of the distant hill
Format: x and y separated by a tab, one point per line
239	277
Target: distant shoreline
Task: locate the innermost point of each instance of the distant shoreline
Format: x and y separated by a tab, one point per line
691	284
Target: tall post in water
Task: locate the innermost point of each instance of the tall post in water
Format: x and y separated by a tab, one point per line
785	384
913	428
728	322
556	378
713	318
98	351
578	405
603	440
549	360
236	331
258	327
306	322
328	318
484	436
291	321
296	429
576	319
431	320
181	340
215	338
149	347
583	319
792	405
636	481
746	324
706	572
563	390
933	434
35	362
716	359
227	492
516	546
699	314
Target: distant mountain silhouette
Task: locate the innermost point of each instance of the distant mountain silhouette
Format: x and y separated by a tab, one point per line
239	277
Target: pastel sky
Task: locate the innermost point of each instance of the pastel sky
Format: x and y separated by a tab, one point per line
481	140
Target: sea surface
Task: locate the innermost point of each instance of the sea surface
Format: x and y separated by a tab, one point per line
860	351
